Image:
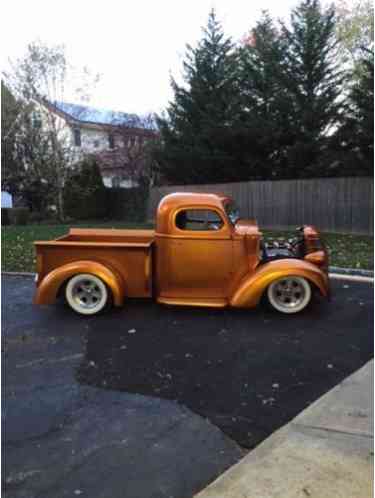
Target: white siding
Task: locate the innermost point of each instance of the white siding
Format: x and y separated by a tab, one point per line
94	140
124	183
6	200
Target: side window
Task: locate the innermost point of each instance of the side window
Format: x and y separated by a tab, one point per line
198	220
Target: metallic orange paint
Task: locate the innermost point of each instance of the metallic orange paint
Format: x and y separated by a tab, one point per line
48	288
124	252
317	258
253	286
172	203
221	267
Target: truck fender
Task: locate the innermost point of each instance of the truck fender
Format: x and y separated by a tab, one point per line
251	289
49	286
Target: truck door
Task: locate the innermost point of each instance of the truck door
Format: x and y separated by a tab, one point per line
200	255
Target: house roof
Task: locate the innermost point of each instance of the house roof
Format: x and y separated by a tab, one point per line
87	114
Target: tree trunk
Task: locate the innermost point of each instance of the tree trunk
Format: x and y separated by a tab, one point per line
60	204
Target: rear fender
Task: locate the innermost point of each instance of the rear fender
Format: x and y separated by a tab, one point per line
252	287
48	288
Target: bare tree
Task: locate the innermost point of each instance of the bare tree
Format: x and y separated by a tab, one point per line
355	29
134	160
44	144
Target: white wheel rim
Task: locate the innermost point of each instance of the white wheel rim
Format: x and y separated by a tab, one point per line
289	294
86	294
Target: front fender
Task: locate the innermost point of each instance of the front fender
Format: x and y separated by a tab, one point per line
252	287
48	288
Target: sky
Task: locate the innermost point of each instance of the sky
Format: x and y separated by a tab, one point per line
134	45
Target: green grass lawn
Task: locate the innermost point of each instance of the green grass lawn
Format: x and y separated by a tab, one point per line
345	251
348	251
17	241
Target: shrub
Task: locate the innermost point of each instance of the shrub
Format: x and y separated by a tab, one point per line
5	216
15	216
84	193
36	217
127	204
21	215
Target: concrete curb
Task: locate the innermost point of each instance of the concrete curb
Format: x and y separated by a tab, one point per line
326	451
352	278
19	274
351	271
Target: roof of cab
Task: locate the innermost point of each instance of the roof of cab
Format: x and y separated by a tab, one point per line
171	202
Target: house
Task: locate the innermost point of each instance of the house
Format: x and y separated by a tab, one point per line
115	139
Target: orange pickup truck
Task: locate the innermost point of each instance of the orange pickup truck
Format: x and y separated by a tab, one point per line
200	254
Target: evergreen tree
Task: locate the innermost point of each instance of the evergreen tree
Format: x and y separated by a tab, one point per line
362	98
84	192
196	132
355	138
313	81
265	106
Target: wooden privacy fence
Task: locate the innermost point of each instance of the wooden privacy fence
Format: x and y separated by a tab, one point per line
333	204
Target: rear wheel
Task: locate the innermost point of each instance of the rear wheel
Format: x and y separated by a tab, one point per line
289	294
87	294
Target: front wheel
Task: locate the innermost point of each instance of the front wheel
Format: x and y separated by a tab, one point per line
87	294
289	294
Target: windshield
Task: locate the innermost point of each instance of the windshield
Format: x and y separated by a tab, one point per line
232	211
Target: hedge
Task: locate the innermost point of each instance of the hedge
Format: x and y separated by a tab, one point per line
85	193
127	204
15	216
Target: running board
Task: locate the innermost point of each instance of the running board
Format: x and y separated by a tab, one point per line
185	301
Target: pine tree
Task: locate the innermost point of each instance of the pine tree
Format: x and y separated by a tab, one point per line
84	192
362	98
196	132
355	138
313	82
265	107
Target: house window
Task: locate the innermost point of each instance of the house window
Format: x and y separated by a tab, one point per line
198	220
77	137
36	120
111	141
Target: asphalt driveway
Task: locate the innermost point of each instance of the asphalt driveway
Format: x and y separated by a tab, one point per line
204	383
248	371
64	439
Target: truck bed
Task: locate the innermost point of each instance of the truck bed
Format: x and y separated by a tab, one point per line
126	251
109	236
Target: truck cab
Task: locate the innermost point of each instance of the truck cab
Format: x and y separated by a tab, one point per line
200	254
